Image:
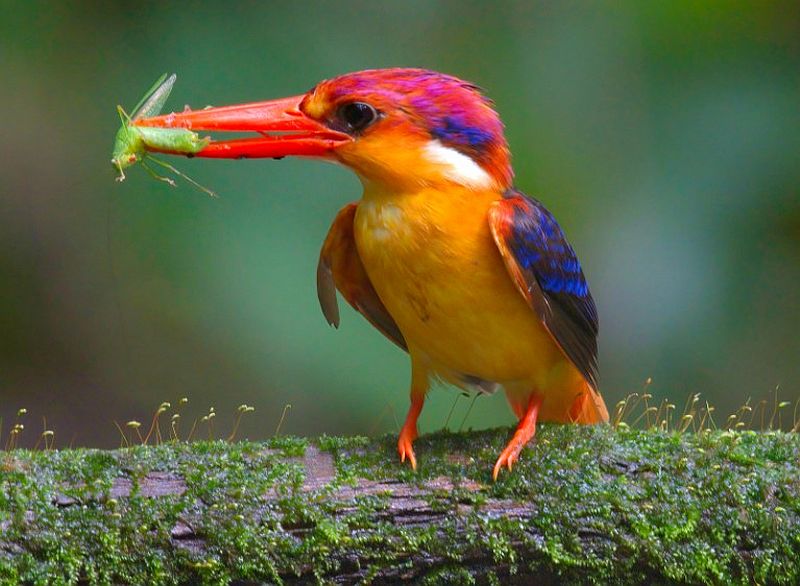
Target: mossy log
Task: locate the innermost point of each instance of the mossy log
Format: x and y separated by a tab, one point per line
584	505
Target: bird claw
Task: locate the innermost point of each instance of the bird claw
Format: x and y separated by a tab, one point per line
507	458
406	450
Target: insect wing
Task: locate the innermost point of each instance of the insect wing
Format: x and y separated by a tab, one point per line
155	98
149	92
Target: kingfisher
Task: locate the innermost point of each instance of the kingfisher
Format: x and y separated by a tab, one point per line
475	280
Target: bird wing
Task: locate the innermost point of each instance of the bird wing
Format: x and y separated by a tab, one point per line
547	272
341	268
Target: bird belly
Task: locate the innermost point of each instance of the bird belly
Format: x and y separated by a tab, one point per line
436	268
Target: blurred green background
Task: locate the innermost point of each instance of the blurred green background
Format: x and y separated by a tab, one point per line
664	136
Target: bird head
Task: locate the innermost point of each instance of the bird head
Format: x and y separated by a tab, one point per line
393	127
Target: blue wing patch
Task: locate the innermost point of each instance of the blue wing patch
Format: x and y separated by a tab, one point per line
548	272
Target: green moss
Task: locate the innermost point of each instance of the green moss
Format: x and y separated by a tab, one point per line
605	506
289	446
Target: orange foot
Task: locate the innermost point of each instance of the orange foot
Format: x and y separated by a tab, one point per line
409	432
404	447
508	457
525	431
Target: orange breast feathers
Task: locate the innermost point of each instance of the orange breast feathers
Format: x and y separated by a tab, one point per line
432	259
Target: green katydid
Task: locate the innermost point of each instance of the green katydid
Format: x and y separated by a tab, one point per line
133	144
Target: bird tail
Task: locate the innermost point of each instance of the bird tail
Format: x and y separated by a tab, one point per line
589	408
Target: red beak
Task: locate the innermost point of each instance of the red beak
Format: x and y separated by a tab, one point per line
299	134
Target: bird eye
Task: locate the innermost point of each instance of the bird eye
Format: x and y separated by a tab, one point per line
357	115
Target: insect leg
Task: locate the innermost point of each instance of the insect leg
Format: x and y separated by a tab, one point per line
184	175
155	175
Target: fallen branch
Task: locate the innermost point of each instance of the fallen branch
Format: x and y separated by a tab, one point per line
585	504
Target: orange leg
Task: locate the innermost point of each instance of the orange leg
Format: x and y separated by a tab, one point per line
420	383
409	432
525	431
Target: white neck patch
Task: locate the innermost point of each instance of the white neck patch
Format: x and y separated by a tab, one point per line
458	167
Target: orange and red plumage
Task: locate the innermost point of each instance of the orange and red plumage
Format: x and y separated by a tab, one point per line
441	254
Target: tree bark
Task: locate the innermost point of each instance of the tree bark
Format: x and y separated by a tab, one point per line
584	505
